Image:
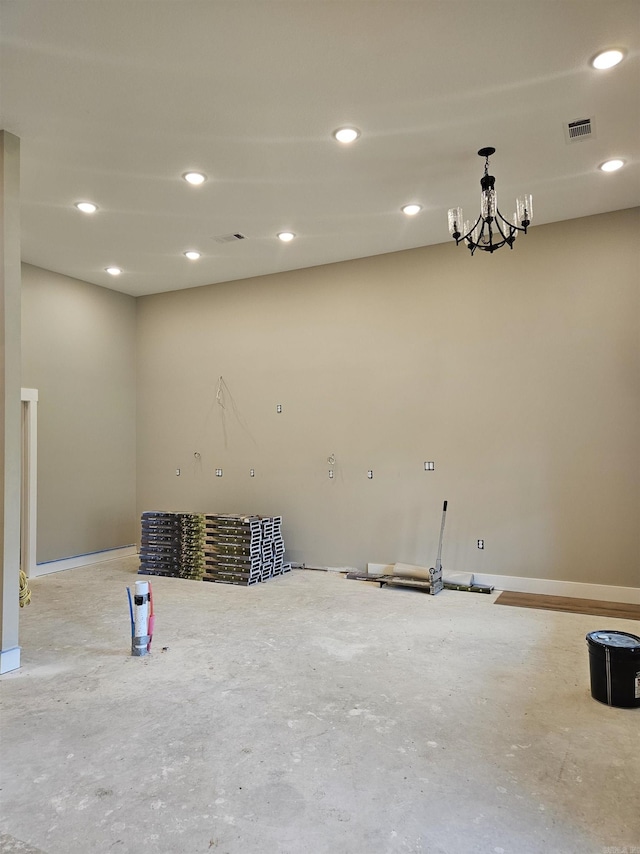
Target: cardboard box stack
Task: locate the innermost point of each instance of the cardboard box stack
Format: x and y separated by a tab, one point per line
228	548
172	544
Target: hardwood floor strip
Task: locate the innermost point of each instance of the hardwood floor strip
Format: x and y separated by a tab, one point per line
621	610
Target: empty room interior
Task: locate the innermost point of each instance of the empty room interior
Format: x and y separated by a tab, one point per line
320	427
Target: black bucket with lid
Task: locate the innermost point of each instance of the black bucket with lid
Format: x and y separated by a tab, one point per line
614	665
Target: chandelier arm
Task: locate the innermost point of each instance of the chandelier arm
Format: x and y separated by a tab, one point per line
516	227
505	226
490	245
493	246
470	232
477	243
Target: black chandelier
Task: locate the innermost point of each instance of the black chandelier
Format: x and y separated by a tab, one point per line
491	230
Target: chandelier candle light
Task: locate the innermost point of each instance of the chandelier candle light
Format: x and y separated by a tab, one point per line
491	230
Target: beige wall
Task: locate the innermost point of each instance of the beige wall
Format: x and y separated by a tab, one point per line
78	350
517	374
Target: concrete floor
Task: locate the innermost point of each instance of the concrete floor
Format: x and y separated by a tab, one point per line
309	715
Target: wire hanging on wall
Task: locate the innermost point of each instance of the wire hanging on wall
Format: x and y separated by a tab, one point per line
223	398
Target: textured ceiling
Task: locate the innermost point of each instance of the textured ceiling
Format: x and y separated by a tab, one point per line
114	100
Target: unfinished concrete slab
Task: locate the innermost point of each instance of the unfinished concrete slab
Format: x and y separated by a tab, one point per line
310	715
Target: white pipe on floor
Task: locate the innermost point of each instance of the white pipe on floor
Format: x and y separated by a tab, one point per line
140	642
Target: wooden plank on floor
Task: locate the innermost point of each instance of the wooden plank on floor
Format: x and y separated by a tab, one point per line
621	610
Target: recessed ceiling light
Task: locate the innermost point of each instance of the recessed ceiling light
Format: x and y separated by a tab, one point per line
86	207
192	255
612	165
346	135
286	236
113	271
607	59
195	178
411	210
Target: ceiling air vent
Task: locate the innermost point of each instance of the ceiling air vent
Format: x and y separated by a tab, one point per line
230	238
579	129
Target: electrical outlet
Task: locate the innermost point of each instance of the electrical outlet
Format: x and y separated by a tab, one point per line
279	408
218	472
177	472
430	466
480	544
252	472
331	473
370	474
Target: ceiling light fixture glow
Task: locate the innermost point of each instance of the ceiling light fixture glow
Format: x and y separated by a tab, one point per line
192	255
411	210
286	236
607	59
346	135
87	207
612	165
195	178
113	271
491	230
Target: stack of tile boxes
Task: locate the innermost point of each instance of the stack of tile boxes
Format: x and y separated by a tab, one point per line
243	549
172	544
231	549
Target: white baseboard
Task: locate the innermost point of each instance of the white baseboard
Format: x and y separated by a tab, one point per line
9	659
83	560
575	589
324	568
549	587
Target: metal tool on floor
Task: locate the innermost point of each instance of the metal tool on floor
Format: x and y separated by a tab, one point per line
431	580
407	576
437	577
